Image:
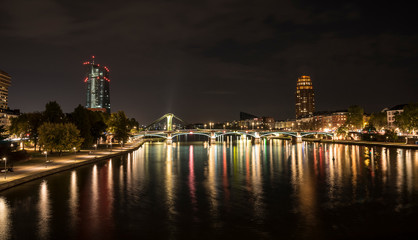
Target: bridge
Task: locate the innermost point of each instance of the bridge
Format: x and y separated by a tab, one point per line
213	134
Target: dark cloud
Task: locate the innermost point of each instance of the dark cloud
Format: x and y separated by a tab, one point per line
208	60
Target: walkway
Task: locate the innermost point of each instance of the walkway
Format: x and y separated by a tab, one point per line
37	168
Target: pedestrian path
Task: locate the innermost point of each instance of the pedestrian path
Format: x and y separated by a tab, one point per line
38	167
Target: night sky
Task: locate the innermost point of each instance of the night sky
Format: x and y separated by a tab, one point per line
209	60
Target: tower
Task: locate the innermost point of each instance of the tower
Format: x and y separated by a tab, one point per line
5	81
305	101
98	90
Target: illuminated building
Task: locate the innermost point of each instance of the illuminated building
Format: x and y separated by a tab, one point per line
5	113
391	114
98	91
5	80
305	102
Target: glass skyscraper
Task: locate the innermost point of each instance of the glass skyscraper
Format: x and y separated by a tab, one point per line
98	91
305	101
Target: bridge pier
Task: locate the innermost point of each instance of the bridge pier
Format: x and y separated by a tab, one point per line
169	140
297	139
212	138
257	138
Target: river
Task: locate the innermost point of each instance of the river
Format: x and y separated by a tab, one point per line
229	190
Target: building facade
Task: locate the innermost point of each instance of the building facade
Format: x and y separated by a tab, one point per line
305	101
5	81
98	89
392	112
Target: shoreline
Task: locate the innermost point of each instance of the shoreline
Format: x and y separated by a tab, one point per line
357	142
61	166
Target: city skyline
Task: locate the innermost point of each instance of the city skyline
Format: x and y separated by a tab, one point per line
210	61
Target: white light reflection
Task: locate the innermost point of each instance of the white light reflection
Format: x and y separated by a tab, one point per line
212	182
94	207
169	183
73	201
44	209
257	183
5	221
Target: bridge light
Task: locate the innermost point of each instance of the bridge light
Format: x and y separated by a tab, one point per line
191	132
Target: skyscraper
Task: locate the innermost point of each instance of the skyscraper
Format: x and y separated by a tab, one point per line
5	80
305	101
98	91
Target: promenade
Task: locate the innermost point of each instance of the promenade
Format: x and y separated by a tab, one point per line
37	167
367	143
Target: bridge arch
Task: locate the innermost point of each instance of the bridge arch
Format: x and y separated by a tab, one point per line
317	133
191	133
236	133
292	134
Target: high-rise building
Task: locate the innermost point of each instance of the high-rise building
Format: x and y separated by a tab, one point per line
305	101
5	81
98	91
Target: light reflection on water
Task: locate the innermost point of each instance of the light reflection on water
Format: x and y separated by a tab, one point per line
44	209
179	191
5	221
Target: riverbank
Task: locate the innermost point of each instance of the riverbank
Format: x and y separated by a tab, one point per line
357	142
37	167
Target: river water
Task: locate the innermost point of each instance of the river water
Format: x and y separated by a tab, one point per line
231	190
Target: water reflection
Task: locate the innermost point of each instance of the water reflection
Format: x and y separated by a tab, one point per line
192	187
257	184
212	180
44	209
73	201
170	183
304	190
5	221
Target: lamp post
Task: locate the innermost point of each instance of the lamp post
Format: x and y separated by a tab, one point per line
75	153
5	170
95	147
46	158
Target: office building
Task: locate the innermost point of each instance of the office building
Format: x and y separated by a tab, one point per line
305	101
5	81
98	90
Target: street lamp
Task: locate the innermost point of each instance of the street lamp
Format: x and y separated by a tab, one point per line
5	170
95	147
46	158
75	153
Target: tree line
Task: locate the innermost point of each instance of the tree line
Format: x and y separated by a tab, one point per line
406	121
52	130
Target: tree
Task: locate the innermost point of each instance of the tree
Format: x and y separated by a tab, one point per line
407	121
53	113
118	125
355	117
2	132
26	125
98	124
379	120
59	136
34	122
342	131
81	118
